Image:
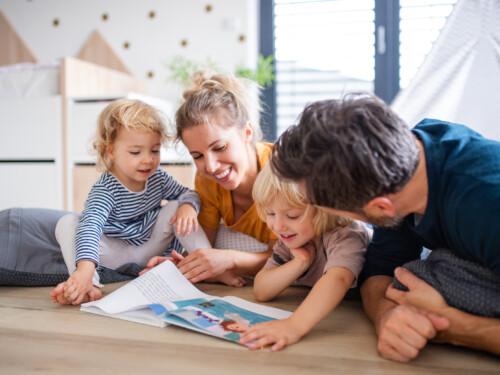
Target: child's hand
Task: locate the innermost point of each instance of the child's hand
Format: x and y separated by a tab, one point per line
154	261
305	253
278	332
185	218
79	284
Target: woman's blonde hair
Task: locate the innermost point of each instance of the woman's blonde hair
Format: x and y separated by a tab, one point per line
232	100
268	186
129	114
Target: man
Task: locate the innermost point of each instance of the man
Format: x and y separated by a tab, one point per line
435	186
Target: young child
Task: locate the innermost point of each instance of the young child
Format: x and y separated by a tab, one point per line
124	220
314	249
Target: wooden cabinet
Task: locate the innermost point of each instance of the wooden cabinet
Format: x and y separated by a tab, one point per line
31	153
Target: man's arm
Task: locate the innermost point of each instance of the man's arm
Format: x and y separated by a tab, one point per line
402	330
464	329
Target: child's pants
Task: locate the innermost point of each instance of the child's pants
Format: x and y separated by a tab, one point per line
114	252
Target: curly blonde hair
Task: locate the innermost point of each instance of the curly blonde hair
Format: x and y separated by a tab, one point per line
233	100
268	186
129	114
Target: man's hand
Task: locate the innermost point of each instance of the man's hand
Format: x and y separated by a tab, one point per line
419	294
404	330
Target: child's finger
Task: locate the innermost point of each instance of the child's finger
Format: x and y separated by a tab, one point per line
280	344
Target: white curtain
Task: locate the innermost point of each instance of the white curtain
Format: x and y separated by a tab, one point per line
459	81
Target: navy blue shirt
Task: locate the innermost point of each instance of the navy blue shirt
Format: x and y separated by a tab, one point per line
463	206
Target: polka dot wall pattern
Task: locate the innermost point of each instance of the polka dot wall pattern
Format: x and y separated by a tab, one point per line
143	35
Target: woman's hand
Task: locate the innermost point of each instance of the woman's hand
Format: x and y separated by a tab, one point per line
206	263
154	261
185	218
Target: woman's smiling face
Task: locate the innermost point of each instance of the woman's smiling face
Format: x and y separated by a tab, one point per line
222	154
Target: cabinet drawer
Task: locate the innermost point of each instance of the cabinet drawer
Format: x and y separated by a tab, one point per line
30	185
31	128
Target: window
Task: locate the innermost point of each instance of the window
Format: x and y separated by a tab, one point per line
325	48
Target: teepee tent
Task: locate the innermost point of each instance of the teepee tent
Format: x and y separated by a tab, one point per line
459	81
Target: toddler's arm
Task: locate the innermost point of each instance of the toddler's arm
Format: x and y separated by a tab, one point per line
185	218
323	298
269	283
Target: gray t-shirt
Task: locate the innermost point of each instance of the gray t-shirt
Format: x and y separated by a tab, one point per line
340	247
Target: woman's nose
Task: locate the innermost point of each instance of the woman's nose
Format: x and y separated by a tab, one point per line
212	165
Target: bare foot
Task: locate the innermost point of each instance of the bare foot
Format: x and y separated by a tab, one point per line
57	295
229	278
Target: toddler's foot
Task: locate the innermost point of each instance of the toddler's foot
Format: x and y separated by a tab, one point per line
229	278
57	295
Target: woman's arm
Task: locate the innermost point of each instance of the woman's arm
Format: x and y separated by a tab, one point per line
209	263
323	298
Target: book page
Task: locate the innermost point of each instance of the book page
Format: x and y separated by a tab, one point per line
161	285
222	317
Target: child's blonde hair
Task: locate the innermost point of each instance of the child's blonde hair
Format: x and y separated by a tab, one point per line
268	186
129	114
233	100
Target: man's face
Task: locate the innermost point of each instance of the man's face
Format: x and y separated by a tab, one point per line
380	221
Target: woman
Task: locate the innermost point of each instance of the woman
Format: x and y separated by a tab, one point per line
218	123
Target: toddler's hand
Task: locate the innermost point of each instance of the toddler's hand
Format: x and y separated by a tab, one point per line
278	332
305	253
185	218
78	287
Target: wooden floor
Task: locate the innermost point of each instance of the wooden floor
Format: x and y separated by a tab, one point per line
37	336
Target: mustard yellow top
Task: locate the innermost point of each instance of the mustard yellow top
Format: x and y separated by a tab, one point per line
216	202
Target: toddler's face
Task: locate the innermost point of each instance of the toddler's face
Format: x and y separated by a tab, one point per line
136	156
292	225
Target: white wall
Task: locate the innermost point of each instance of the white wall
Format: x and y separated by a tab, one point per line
215	34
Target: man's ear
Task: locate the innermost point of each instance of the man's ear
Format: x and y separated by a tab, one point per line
380	206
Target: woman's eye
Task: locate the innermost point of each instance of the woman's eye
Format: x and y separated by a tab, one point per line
270	214
197	156
292	217
134	152
156	151
222	148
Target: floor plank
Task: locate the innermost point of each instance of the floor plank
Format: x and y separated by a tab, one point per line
38	336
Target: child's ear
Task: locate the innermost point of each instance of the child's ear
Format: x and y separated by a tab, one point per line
110	151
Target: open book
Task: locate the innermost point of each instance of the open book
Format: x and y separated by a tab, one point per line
164	296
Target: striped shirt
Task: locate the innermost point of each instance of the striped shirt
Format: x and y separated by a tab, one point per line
115	211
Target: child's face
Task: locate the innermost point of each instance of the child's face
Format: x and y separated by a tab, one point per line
136	156
290	224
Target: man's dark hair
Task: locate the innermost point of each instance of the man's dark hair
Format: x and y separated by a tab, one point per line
347	151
